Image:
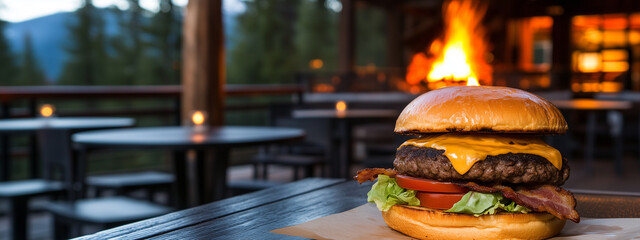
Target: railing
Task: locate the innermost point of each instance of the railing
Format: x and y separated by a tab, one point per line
32	94
17	102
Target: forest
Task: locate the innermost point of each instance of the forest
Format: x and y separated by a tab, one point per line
270	42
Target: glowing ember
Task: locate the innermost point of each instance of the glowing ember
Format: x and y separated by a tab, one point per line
459	58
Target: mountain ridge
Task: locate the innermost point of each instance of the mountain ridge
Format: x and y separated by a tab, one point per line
49	34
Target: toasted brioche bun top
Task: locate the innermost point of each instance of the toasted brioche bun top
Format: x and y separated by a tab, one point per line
426	223
480	109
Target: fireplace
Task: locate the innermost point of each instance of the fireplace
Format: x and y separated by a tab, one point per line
533	45
458	57
583	46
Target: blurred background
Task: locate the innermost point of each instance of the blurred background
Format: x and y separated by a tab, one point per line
124	58
138	43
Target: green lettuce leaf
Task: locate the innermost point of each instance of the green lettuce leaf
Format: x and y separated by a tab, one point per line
513	207
478	203
386	193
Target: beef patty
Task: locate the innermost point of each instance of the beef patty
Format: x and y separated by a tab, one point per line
510	168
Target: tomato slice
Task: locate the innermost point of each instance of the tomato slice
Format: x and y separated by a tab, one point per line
438	200
426	185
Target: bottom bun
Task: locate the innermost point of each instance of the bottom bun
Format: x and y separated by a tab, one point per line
427	223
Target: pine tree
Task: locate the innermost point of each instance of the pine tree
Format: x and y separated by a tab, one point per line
316	35
30	72
244	62
86	50
264	50
7	61
127	58
371	37
163	44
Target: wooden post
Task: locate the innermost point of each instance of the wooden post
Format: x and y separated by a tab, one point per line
561	53
203	71
346	43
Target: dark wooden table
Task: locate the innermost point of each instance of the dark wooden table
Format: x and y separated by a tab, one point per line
32	125
252	216
211	148
615	121
342	123
53	135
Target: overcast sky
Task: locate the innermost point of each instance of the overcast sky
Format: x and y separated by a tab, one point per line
20	10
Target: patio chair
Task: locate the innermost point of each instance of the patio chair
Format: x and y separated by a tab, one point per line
261	163
305	155
104	212
19	193
124	183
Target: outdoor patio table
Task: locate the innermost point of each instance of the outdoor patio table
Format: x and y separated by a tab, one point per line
615	120
31	125
341	122
252	216
211	146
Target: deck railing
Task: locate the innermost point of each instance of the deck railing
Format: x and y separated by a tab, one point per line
160	105
34	94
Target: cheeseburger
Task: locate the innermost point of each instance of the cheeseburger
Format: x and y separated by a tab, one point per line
478	168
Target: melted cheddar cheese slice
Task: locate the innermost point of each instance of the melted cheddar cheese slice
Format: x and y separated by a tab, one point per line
465	150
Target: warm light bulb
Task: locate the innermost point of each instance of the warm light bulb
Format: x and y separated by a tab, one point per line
197	118
589	62
47	110
341	106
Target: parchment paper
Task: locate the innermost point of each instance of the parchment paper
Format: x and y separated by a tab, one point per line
365	222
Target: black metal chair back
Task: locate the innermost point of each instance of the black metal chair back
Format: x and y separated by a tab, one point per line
56	155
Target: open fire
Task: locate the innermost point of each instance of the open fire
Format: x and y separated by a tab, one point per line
459	57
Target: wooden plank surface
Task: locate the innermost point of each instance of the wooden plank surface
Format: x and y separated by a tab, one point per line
252	216
256	223
209	212
607	206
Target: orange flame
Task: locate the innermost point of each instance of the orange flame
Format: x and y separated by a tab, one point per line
459	57
471	81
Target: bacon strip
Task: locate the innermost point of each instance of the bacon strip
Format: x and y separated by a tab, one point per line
547	198
370	174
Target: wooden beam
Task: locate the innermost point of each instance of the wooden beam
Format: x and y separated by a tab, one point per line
347	41
561	52
203	71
